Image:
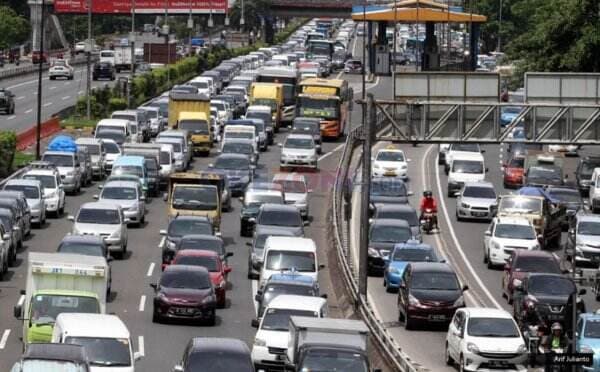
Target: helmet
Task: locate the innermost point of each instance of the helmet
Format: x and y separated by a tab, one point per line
556	327
427	194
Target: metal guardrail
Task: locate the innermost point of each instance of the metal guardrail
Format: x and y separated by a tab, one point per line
382	338
16	174
29	69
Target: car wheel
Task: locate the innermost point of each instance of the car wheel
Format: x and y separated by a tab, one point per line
490	265
448	358
409	323
400	316
143	219
458	218
213	318
485	255
61	211
155	316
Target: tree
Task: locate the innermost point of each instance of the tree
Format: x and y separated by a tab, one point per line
14	29
19	6
253	11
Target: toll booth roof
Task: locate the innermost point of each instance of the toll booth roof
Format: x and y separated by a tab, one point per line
414	11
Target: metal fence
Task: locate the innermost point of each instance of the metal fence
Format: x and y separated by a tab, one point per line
29	69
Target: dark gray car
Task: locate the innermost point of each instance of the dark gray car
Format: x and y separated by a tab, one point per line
388	190
400	212
282	216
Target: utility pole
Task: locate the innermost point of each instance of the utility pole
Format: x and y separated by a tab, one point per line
132	42
363	255
500	28
242	17
190	26
38	128
167	44
88	89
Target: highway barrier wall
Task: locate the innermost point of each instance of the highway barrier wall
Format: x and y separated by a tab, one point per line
8	142
29	69
28	138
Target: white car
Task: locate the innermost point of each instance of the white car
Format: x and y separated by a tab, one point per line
458	149
506	234
60	68
295	190
390	162
129	196
485	338
34	193
54	193
224	113
298	150
567	149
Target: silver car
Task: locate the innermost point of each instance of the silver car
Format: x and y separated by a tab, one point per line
34	194
69	168
476	200
105	220
129	196
97	154
295	190
298	150
584	240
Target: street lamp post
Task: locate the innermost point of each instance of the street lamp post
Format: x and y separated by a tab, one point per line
242	16
190	26
132	42
38	128
88	109
167	44
210	26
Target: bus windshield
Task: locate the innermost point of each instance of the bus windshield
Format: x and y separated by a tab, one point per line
323	108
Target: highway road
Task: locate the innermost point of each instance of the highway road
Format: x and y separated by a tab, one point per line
460	243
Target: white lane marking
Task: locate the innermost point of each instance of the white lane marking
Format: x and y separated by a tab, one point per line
65	98
369	86
142	303
28	111
331	152
150	269
20	98
339	74
11	117
254	289
141	348
52	87
4	338
47	104
354	47
21	84
457	243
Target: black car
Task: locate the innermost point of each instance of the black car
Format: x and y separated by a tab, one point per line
583	173
238	169
400	212
7	101
179	227
383	235
546	296
103	70
312	126
252	201
214	354
153	176
389	190
429	292
570	198
544	175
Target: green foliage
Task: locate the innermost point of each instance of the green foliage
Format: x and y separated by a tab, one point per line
8	146
21	159
78	122
252	13
14	29
117	103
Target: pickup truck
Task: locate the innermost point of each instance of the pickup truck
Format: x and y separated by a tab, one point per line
545	217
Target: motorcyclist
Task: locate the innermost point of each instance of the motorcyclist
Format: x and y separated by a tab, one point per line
429	204
555	340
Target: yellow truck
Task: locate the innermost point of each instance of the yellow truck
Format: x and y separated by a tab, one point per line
192	113
195	194
268	94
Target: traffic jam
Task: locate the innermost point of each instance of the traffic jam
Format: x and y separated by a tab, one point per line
198	149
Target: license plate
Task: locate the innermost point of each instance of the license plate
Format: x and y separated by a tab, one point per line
390	173
497	363
555	317
184	311
437	318
479	214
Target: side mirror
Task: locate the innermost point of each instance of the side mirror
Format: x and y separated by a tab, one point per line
249	244
100	187
309	191
410	193
465	287
572	231
137	356
96	197
280	144
566	176
229	254
487	233
457	193
109	259
305	223
255	323
71	218
142	198
178	368
487	169
241	199
18	310
163	232
518	285
165	196
211	165
321	266
408	160
126	220
154	286
402	284
582	291
228	269
482	151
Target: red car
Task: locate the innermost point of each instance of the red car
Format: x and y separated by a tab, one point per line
212	262
513	172
37	57
521	263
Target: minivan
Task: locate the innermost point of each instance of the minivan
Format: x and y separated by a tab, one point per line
287	253
465	167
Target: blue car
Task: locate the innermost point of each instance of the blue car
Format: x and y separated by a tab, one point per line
588	338
508	114
401	256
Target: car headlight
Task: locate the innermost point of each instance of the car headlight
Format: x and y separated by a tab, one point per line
404	167
260	342
376	166
374	252
171	245
393	270
471	347
412	300
51	194
209	299
585	349
133	208
116	234
495	245
460	302
464	205
522	349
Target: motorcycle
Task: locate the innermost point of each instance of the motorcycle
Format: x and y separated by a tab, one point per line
427	221
552	367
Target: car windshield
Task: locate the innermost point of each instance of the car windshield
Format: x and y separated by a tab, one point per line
210	263
273	290
512	231
587	167
409	216
517	163
31	192
129	117
434	281
288	260
299	143
164	158
467	166
194	126
176	145
537	265
81	248
565	195
151	165
279	319
239	134
48	182
389	233
233	163
300	127
67	160
466	147
152	114
292	187
185	279
588	228
99	216
545	172
479	192
200	84
92	149
388	188
511	110
45	308
111	148
492	327
128	169
237	148
219	105
415	255
551	285
104	352
280	218
592	329
520	205
390	156
119	193
322	108
259	199
215	245
49	366
327	360
181	227
265	116
195	198
218	360
118	137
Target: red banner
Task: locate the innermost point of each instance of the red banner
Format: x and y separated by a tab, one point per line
142	6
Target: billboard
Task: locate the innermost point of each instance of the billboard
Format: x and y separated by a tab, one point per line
142	6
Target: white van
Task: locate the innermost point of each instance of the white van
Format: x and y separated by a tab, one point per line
106	340
204	84
465	167
179	159
271	340
107	56
289	253
236	132
595	191
121	125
